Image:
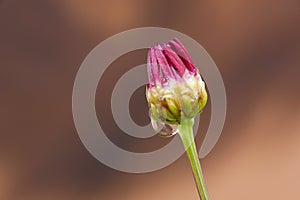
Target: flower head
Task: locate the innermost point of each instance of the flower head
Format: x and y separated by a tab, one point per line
175	88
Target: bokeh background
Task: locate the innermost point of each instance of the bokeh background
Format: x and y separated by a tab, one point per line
255	44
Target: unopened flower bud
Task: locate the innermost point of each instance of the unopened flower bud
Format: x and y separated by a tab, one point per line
175	88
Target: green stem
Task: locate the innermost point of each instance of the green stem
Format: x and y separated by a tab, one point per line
186	133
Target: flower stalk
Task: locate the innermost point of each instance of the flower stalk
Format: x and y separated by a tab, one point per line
185	130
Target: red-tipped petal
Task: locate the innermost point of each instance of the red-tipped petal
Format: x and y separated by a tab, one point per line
184	55
174	60
149	68
155	71
163	63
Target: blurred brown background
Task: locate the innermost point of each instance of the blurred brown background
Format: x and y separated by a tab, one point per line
255	44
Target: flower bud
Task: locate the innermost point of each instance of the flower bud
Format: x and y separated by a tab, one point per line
175	88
